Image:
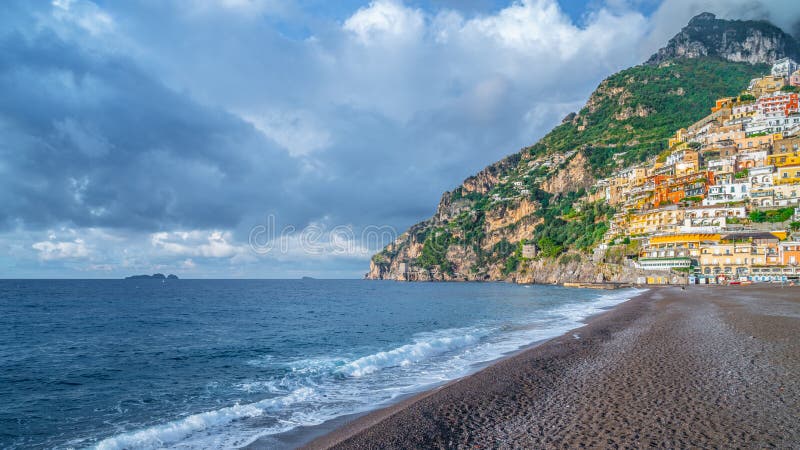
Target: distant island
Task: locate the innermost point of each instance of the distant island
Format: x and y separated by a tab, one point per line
155	276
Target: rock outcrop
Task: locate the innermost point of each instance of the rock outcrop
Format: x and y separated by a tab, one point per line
733	40
571	178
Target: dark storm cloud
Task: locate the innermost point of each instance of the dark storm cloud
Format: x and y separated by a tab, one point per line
92	139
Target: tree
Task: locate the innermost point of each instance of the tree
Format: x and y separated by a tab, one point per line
548	248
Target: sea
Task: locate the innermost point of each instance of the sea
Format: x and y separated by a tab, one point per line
191	364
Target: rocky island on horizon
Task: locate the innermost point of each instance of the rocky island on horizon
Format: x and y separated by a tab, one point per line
155	276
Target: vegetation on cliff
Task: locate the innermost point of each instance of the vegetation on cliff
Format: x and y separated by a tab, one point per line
543	194
633	112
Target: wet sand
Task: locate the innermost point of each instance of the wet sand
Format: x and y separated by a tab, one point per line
705	367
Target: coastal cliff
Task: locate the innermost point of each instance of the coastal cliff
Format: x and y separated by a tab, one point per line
537	216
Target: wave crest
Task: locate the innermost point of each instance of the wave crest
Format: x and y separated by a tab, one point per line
406	355
159	436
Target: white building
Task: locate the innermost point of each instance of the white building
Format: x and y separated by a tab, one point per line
786	195
721	164
710	219
725	193
665	263
775	112
761	176
752	154
784	67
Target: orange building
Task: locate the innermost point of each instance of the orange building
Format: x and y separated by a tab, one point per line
721	103
672	190
790	253
780	102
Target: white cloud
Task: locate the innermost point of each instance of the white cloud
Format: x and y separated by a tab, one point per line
296	131
85	14
197	243
384	19
529	24
52	250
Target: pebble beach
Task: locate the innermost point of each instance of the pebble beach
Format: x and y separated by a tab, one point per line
694	367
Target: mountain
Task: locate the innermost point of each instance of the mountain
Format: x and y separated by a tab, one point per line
733	40
544	194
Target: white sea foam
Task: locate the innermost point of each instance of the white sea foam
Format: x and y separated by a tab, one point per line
578	312
160	436
407	355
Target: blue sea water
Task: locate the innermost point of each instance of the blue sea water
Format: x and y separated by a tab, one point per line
219	363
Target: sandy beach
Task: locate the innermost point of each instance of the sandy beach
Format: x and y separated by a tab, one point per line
701	367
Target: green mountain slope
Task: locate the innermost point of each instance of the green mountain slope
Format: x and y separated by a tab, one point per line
542	194
634	111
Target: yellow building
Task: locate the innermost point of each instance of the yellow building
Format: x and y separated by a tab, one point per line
687	245
680	137
787	167
789	174
783	159
734	255
766	84
661	220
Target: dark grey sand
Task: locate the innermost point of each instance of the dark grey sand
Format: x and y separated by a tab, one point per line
712	367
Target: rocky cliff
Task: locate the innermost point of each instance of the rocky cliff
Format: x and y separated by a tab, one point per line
534	217
732	40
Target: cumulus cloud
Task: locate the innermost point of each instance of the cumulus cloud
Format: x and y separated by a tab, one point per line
144	120
386	19
198	243
61	249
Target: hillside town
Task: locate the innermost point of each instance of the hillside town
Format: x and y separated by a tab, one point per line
722	203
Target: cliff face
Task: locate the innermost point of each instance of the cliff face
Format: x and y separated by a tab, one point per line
534	217
732	40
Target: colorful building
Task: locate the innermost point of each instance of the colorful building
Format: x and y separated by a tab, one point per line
675	189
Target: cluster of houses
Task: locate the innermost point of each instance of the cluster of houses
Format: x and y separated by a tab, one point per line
691	208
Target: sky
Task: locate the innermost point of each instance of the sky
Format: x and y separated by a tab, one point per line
279	139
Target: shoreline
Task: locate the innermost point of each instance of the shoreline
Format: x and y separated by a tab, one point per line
309	436
549	394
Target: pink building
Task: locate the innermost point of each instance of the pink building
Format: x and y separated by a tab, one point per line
794	79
